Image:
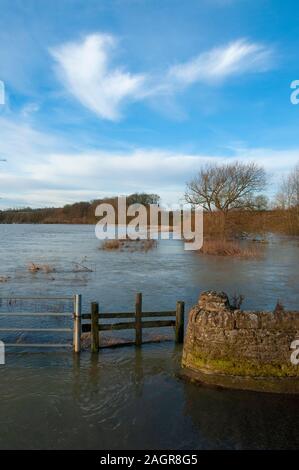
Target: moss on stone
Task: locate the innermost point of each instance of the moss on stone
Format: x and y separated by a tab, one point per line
239	368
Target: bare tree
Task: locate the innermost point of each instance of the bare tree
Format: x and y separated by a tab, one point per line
143	198
288	195
289	192
226	187
261	202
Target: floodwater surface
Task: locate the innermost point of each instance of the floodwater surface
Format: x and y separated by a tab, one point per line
125	398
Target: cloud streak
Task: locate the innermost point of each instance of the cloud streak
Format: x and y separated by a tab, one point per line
87	72
220	63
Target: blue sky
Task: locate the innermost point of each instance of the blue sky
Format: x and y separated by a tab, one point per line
115	96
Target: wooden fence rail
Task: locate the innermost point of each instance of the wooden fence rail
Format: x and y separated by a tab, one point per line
95	326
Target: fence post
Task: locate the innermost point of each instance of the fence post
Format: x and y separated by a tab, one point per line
94	327
138	320
179	322
77	323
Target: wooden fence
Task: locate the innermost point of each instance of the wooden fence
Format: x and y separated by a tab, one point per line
95	326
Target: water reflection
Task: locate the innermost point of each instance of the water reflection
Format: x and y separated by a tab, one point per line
242	420
130	398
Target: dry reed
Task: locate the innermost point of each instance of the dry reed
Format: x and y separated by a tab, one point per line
223	247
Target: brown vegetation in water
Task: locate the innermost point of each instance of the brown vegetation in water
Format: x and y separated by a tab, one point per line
34	268
229	248
128	245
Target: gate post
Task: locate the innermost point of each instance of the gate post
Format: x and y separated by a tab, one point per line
138	320
94	327
77	323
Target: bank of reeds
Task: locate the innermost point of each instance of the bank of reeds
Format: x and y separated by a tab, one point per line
255	223
222	247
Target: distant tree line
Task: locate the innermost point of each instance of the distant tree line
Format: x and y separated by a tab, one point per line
77	213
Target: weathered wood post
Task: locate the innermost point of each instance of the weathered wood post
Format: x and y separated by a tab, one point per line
179	322
77	323
138	320
94	327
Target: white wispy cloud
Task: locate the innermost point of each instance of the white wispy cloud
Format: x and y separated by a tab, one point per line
238	57
20	141
87	71
84	68
42	170
29	109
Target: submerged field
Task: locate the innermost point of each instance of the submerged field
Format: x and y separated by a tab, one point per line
73	263
125	398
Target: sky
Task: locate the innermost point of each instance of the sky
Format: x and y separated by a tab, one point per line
110	97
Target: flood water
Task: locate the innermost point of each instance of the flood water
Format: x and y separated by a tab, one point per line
126	398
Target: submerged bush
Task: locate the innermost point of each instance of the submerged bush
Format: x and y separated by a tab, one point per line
128	245
34	268
224	247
